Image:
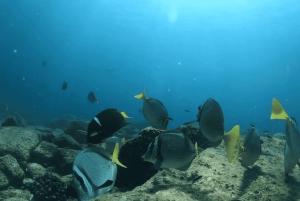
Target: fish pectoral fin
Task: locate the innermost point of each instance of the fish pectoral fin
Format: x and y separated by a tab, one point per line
141	96
277	110
169	118
94	134
125	115
115	156
231	140
158	164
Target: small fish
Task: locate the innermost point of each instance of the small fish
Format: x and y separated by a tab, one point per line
186	110
250	150
292	145
64	85
92	98
44	63
95	171
252	125
154	112
171	150
105	124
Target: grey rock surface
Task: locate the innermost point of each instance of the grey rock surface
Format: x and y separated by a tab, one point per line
35	170
11	172
44	153
66	141
64	160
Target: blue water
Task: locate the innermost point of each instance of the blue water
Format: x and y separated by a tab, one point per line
241	53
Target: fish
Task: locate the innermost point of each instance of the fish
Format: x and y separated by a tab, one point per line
250	149
44	63
154	111
211	123
186	110
292	145
105	124
171	150
92	98
94	172
64	85
109	143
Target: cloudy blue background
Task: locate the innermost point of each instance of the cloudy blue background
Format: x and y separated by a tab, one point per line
241	53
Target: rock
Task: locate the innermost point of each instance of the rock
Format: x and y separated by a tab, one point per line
50	187
139	171
11	172
66	141
44	154
27	183
18	142
280	136
35	170
58	132
64	160
80	136
15	195
76	125
10	121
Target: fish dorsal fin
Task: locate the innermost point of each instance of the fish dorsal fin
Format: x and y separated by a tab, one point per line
125	115
116	155
231	139
278	111
141	96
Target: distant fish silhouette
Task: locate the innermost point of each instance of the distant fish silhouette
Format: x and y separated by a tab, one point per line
92	98
64	85
186	110
44	63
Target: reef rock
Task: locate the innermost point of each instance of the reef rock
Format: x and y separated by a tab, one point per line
35	170
66	141
44	154
15	195
10	121
64	160
11	174
18	142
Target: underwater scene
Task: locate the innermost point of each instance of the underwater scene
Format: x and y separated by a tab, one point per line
170	100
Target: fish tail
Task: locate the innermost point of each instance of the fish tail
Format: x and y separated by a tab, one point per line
116	155
231	140
277	110
141	96
125	115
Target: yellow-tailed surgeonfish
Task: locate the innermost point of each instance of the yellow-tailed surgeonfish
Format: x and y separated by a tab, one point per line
211	122
250	149
154	112
292	145
171	150
94	172
105	124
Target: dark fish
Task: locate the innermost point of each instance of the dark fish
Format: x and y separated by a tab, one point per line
292	145
186	110
92	98
105	124
252	125
251	148
171	150
211	121
64	85
94	172
154	112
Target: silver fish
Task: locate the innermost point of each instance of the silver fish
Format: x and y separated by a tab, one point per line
171	150
94	172
211	121
251	149
154	112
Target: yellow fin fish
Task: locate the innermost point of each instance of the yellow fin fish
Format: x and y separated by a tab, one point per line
231	140
141	96
116	155
278	111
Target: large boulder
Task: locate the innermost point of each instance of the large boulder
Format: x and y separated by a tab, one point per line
44	154
64	160
66	141
18	142
11	174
